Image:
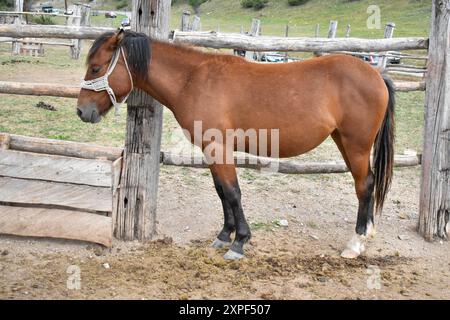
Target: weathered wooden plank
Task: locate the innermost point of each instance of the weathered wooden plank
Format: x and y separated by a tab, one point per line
245	42
116	173
16	164
53	31
62	148
61	195
55	223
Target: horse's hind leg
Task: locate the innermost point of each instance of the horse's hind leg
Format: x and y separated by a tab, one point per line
224	237
357	158
227	187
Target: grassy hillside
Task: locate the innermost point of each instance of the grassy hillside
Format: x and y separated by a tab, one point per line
411	16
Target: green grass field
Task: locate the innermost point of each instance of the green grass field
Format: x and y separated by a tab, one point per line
411	16
18	114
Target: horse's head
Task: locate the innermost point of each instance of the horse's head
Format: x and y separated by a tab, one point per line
114	62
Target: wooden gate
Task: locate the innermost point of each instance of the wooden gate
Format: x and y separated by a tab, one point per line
57	189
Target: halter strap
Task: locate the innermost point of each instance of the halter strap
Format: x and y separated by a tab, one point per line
102	83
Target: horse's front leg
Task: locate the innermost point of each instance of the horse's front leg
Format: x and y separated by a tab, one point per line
227	187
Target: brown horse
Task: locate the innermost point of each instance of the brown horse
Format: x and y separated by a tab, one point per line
306	102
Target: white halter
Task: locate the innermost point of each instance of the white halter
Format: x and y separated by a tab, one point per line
102	84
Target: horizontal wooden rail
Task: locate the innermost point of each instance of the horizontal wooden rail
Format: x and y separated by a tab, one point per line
49	43
17	14
39	89
60	32
282	165
58	147
405	86
264	43
89	151
55	90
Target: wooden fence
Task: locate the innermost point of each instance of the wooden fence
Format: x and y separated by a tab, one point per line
435	181
34	47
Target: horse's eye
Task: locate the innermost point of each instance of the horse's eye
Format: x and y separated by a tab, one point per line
95	69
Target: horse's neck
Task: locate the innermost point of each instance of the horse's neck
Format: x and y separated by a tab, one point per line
169	71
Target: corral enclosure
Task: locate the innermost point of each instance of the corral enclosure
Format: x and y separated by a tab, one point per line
297	261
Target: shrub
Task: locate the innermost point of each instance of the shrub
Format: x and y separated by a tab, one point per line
247	3
255	4
259	4
122	4
296	2
6	4
43	20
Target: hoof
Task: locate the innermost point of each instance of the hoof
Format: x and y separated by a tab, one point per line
231	255
350	254
218	244
354	247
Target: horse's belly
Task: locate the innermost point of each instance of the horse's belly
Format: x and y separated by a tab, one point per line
283	142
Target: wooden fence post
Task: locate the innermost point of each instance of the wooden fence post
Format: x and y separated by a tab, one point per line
388	34
185	17
317	32
331	34
195	24
254	32
136	208
332	29
18	7
84	13
255	28
74	49
435	190
286	34
347	31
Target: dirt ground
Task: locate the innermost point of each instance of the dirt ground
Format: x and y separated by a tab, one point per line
300	261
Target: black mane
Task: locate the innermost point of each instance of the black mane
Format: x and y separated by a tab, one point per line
137	50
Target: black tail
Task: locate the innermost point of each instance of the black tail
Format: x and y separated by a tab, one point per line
383	150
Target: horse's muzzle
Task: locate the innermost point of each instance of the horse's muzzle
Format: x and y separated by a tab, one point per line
89	114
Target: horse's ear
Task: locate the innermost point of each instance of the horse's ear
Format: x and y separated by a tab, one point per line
119	36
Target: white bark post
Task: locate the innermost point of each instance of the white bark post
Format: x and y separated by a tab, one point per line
435	190
136	208
18	7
